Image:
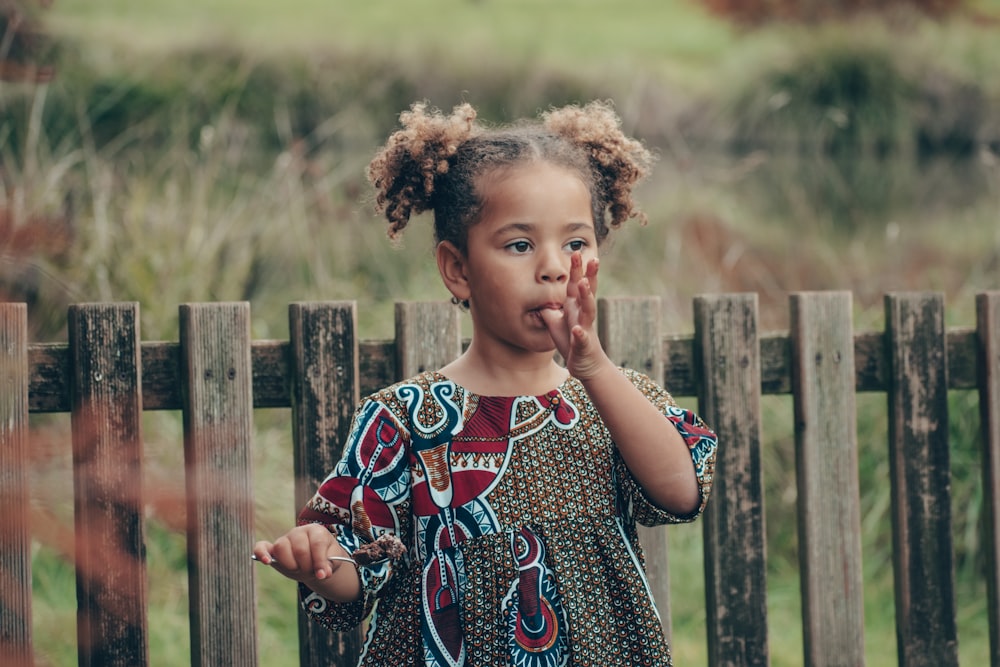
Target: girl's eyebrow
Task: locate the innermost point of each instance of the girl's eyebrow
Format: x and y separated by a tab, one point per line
519	227
577	226
526	227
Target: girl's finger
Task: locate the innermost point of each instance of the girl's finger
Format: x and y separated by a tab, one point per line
555	322
575	271
262	552
592	267
320	549
586	304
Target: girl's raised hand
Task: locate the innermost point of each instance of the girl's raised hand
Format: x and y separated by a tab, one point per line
573	330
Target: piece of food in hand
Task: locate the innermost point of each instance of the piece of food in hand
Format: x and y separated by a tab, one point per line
386	547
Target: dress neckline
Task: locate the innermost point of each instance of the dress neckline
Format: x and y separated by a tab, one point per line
558	389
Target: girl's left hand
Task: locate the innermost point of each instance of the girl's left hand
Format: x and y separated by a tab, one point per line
573	330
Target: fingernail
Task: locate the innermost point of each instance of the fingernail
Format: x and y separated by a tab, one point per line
321	574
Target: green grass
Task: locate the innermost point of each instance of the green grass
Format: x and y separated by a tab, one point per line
571	33
214	150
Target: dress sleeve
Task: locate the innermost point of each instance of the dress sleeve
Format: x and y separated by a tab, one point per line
366	496
701	442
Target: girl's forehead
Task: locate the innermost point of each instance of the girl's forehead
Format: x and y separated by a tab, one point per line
498	175
536	193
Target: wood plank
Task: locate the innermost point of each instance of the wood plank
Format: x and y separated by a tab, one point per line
775	363
271	375
870	361
826	455
161	376
682	371
15	537
218	439
377	364
923	557
679	367
988	353
428	336
112	625
735	547
629	329
324	395
49	368
963	369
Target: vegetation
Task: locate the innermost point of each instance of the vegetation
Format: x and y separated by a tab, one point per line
214	150
758	11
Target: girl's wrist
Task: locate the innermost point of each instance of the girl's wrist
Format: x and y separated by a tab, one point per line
343	584
596	372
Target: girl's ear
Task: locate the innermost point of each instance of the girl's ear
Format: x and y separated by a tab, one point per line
451	266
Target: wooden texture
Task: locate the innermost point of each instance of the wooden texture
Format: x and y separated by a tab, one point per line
428	336
629	330
735	547
15	538
216	374
49	368
988	337
826	456
920	480
112	625
324	392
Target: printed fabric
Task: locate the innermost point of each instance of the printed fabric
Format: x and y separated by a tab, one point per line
520	520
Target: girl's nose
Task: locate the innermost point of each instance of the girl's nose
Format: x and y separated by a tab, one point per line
553	267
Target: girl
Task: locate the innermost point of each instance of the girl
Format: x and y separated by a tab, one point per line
515	482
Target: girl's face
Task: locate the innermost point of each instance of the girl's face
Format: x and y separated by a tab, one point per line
517	260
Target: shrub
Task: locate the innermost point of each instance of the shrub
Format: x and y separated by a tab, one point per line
752	12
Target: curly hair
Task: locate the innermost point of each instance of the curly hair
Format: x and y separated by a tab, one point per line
437	162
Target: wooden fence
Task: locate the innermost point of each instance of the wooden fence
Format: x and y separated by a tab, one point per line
216	375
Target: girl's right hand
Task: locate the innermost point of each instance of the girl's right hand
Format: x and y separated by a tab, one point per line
303	554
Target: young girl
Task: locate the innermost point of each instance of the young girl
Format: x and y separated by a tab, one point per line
514	482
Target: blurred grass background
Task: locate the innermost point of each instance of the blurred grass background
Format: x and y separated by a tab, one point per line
214	150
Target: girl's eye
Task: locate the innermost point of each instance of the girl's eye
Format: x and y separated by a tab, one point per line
576	245
519	247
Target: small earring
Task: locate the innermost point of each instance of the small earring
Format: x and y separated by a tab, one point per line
455	300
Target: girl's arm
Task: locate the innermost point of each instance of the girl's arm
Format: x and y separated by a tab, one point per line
649	443
335	593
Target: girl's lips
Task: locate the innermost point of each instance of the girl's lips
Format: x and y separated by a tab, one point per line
536	313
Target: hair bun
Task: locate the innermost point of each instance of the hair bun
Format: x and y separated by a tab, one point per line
403	171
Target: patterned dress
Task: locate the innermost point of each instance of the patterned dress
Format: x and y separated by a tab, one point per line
519	516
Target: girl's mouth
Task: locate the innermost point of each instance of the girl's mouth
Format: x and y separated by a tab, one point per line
536	313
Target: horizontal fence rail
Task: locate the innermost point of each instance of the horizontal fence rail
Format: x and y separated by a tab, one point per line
216	375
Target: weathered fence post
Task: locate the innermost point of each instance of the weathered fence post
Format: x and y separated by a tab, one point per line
827	475
217	400
324	396
727	348
921	480
428	336
988	362
15	540
107	481
630	331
